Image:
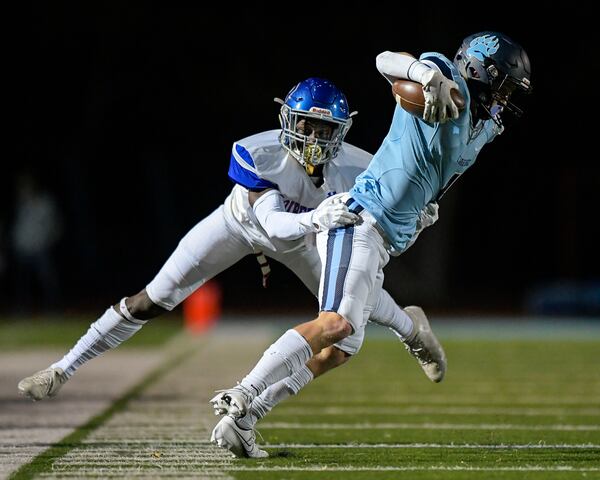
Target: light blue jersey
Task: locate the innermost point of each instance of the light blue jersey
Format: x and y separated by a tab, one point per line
417	160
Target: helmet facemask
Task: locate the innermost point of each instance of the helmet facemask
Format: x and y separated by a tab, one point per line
506	92
304	134
493	98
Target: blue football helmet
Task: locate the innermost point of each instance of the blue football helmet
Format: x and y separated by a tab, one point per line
495	68
316	99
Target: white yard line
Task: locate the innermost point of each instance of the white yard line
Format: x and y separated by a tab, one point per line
455	446
426	426
452	468
175	449
201	472
409	410
489	398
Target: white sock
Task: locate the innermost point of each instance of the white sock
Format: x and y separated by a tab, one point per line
109	331
286	356
274	395
389	314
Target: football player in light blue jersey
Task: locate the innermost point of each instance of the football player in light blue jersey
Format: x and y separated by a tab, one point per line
418	158
417	161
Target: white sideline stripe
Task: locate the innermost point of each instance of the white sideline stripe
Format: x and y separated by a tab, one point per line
181	447
580	412
453	468
492	399
427	426
210	473
534	446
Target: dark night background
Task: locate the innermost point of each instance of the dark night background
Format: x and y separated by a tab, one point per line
127	115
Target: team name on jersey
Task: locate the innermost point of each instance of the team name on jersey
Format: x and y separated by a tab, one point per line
294	207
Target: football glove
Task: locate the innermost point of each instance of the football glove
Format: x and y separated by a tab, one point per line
439	106
428	216
330	215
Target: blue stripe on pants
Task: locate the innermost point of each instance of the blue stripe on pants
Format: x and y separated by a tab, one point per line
339	251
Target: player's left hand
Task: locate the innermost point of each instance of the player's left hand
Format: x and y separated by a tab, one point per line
428	216
439	106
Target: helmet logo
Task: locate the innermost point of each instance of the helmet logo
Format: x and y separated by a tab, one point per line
322	111
483	46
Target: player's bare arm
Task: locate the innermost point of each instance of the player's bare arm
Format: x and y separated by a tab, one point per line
254	196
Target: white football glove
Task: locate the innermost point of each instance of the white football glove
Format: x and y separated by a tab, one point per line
439	106
330	215
428	216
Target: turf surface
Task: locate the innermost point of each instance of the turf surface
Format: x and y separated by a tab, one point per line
507	409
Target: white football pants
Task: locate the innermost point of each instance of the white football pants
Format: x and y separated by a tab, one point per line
352	273
211	246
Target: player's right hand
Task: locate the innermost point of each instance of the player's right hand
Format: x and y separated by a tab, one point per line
330	215
439	106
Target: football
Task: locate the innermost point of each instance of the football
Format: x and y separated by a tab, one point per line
409	96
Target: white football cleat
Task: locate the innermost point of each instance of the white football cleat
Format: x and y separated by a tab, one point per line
233	402
423	345
42	384
239	441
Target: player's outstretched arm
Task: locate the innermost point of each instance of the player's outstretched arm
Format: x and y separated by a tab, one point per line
400	65
270	212
439	105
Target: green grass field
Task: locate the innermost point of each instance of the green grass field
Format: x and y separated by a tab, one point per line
507	409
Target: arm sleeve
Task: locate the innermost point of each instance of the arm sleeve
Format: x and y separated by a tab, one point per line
270	213
398	65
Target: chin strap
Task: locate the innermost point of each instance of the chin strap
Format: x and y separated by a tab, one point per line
265	268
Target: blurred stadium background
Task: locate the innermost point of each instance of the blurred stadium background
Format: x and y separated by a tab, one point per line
125	115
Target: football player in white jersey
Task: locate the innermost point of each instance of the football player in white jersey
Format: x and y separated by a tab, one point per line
417	161
280	177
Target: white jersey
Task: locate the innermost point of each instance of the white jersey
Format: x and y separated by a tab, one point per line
232	232
259	162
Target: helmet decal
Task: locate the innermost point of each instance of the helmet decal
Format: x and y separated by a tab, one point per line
497	72
483	46
323	111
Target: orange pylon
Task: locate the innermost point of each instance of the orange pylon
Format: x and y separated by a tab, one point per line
202	309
